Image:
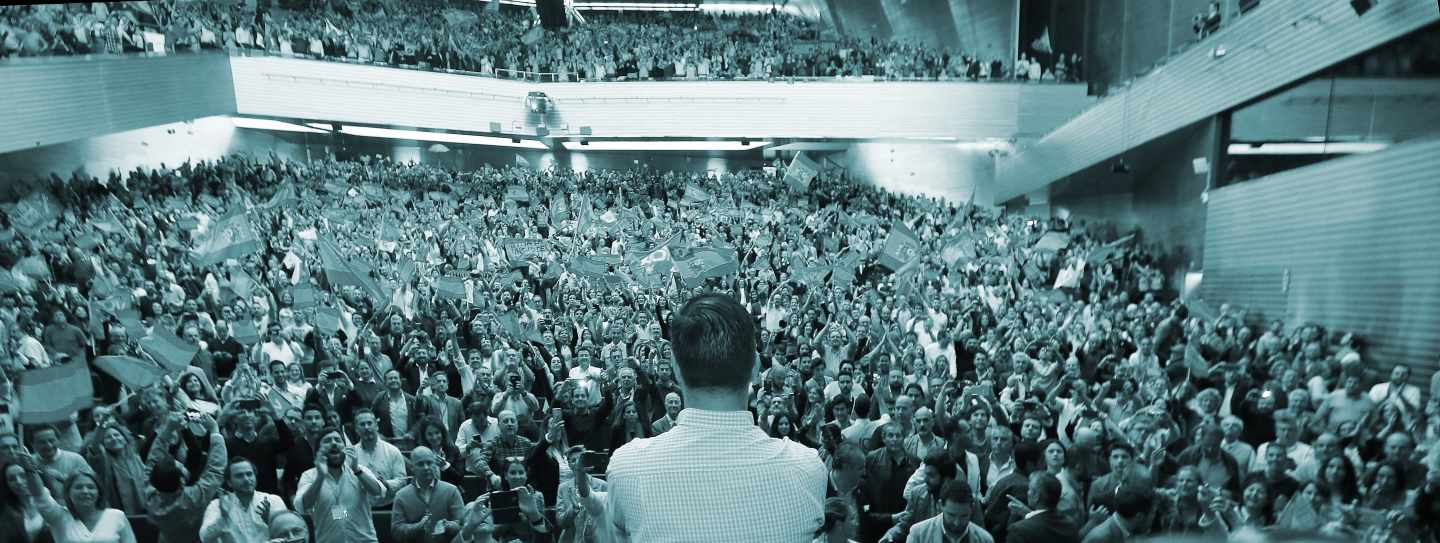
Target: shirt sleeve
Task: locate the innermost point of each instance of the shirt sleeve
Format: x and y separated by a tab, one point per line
209	522
306	479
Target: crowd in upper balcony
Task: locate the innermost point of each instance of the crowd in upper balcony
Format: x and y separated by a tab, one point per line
494	41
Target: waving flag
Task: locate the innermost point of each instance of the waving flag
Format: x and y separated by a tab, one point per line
801	171
653	267
37	209
130	371
341	272
596	268
961	248
169	350
327	320
52	394
305	297
1198	366
245	332
230	237
901	247
695	195
285	197
706	262
1042	43
842	270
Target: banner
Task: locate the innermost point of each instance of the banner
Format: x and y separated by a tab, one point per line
517	193
1110	250
52	394
901	247
801	171
450	288
521	250
231	237
132	372
169	350
596	268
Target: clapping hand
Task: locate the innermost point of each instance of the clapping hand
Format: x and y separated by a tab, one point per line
1018	506
262	509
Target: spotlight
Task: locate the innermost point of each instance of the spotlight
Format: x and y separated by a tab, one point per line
745	142
1361	6
514	140
1120	167
584	142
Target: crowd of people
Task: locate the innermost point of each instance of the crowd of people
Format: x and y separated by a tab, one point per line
494	42
452	355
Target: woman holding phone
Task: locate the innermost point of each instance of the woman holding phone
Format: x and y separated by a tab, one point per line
515	512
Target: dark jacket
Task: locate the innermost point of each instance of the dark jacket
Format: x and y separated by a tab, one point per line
1046	527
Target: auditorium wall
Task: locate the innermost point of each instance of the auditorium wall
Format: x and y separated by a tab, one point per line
1161	196
941	170
1349	243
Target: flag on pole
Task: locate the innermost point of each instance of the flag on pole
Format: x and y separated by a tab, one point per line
843	269
1042	43
169	350
801	171
654	266
230	237
960	248
901	247
52	394
1110	250
1198	366
132	372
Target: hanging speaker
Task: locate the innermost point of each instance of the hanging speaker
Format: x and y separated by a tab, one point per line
552	14
1362	6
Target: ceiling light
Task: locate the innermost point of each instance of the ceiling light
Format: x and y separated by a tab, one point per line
696	145
271	124
443	137
1338	148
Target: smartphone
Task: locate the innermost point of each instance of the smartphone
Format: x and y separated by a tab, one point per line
505	505
598	462
251	404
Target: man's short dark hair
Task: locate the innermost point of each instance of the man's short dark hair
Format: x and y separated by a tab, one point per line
847	453
958	492
713	339
942	463
1132	500
1049	495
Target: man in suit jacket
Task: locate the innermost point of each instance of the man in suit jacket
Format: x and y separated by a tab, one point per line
953	523
442	405
673	405
1122	461
1042	523
395	405
1132	512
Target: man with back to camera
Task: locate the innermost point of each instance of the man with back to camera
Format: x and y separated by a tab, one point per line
715	476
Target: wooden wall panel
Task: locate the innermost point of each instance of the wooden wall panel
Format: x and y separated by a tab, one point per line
53	100
305	89
1350	243
1274	45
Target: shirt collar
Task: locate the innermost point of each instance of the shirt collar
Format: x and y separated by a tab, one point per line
1035	513
701	418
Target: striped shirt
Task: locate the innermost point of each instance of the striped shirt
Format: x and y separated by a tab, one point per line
717	477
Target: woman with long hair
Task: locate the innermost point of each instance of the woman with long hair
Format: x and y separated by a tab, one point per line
627	425
835	527
1056	459
84	517
20	519
1256	508
119	471
431	432
1337	482
199	394
1385	487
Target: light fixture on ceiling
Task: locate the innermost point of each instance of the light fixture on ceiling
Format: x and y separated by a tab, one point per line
443	137
271	124
644	145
